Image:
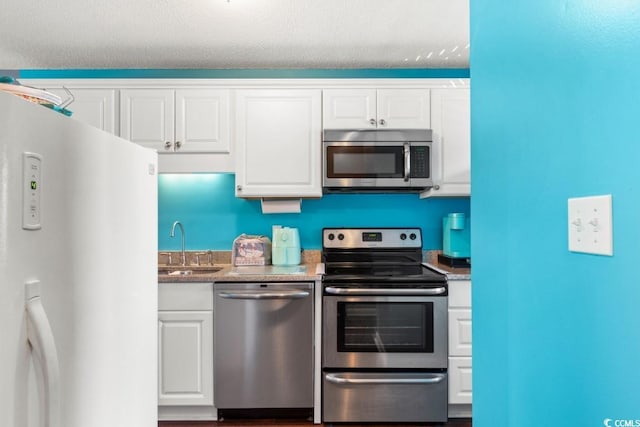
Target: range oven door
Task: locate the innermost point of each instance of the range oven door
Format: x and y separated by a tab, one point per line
386	332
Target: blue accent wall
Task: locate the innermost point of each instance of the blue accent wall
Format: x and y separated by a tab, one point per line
213	217
555	103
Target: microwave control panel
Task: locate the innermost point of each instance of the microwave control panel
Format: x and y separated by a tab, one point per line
420	162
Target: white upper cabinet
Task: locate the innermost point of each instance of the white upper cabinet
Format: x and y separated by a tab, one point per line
184	120
376	108
202	120
451	123
349	109
278	143
404	108
193	124
147	117
96	107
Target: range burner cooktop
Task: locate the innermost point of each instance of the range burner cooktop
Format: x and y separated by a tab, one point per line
369	255
375	270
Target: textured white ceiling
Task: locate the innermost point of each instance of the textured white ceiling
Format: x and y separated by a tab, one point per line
65	34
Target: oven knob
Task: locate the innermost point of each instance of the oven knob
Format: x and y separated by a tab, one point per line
403	236
331	236
412	236
340	236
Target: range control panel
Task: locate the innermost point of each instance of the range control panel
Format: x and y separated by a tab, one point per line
382	238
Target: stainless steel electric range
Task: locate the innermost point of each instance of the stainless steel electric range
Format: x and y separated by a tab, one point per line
384	330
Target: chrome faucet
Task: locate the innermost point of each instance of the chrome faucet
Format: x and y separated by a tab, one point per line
173	233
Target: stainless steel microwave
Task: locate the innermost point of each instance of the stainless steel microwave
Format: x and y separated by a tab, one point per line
377	160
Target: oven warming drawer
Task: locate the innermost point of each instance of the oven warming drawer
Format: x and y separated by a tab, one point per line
384	397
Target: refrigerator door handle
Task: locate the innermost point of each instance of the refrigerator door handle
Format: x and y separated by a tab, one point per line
43	346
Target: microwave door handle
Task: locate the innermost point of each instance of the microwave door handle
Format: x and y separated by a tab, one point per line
407	161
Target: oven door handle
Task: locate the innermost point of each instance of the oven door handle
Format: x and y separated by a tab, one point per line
265	295
384	291
427	379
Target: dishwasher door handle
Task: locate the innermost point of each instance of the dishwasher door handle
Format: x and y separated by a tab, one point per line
341	379
265	295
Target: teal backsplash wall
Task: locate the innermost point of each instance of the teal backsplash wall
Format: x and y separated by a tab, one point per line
212	216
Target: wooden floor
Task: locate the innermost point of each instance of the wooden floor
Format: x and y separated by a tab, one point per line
462	422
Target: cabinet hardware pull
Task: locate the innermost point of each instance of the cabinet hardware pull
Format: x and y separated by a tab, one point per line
167	145
178	145
373	122
382	122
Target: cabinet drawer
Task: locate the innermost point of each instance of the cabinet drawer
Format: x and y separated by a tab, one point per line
460	332
185	296
460	293
384	397
460	380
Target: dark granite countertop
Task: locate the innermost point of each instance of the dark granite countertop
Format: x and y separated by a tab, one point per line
309	270
453	273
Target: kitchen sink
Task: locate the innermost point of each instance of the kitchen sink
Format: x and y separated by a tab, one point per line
174	270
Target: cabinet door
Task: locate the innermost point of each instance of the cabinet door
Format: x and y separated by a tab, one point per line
404	109
460	331
96	107
147	117
451	121
460	387
185	359
278	143
349	108
202	121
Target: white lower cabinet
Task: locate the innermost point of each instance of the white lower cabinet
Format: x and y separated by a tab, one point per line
185	344
460	380
185	351
460	390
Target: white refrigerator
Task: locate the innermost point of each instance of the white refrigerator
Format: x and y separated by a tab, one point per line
78	273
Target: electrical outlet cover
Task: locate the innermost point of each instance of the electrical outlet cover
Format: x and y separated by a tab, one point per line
591	225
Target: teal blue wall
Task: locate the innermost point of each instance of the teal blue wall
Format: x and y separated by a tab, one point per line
555	110
276	73
212	216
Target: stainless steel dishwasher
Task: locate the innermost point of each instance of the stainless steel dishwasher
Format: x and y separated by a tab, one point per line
263	345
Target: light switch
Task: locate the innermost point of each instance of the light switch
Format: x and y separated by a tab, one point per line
591	225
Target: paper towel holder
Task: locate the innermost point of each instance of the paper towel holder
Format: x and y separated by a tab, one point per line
281	205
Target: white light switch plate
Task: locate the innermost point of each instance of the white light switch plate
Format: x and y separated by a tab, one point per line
590	225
